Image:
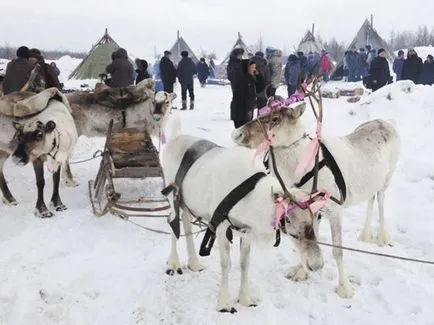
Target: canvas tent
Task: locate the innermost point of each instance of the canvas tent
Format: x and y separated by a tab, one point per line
309	43
366	35
221	68
96	61
179	46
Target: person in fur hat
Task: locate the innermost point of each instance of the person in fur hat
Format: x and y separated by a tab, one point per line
17	71
185	72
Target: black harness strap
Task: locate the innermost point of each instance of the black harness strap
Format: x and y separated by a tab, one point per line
329	161
221	212
196	150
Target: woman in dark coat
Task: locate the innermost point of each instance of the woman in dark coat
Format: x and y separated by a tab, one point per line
142	70
247	82
379	71
427	75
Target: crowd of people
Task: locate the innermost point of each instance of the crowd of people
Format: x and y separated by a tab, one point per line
18	72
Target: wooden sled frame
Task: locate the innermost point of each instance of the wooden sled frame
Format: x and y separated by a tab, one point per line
128	153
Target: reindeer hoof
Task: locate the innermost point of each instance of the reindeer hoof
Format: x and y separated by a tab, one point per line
59	206
232	310
43	214
10	201
171	272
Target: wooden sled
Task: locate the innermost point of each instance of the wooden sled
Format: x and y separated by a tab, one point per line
128	154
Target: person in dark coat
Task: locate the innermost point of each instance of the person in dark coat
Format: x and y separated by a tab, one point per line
142	70
167	72
303	66
427	75
55	68
17	71
247	82
292	73
202	72
379	71
362	64
121	70
398	64
263	68
46	77
412	67
185	72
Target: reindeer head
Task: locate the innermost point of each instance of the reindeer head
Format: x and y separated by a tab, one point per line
162	105
280	125
302	224
35	139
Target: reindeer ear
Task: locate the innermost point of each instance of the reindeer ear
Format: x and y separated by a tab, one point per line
297	111
172	96
50	126
17	126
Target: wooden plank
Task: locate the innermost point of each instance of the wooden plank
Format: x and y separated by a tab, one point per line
138	172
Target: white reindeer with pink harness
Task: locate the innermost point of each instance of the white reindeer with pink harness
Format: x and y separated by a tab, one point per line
360	167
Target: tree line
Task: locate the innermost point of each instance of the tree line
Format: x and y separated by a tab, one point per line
9	52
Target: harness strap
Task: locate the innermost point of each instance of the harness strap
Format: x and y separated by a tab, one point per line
196	150
330	162
222	211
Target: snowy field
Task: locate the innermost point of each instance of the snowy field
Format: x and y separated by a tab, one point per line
82	270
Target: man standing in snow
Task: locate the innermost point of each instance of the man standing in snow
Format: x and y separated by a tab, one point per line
379	71
412	67
167	72
185	72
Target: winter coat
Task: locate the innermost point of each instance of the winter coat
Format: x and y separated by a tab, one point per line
244	96
17	74
427	74
292	70
352	60
121	70
303	67
185	71
51	77
142	70
234	70
397	67
379	73
325	64
412	68
167	71
275	66
313	63
202	71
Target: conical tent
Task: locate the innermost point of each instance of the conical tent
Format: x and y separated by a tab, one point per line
238	44
309	44
179	46
96	61
367	35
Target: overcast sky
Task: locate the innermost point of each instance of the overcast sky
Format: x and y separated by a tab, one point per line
141	25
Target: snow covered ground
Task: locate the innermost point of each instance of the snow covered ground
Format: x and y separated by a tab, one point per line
79	269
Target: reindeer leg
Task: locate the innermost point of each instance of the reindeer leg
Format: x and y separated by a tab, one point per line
344	289
67	176
41	209
244	296
382	236
8	198
173	263
193	260
224	301
366	234
56	202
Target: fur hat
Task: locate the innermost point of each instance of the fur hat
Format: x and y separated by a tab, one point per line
167	53
260	54
34	53
184	54
23	52
400	52
380	51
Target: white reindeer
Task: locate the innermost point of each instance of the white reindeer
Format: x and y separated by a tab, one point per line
367	158
205	185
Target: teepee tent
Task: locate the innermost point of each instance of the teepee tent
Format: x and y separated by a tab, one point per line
309	43
238	44
96	61
367	35
179	46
